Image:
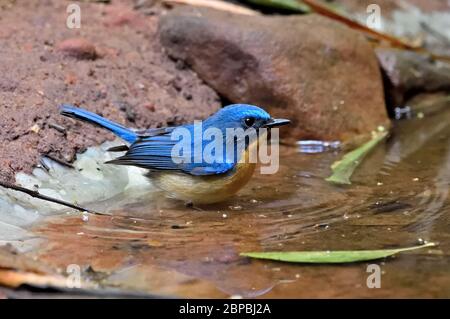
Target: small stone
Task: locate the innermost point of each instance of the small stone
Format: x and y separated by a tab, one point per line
85	217
322	226
78	48
35	128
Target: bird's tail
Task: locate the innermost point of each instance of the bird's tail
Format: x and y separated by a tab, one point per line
80	114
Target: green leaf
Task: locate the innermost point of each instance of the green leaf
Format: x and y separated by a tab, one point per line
331	257
293	5
343	169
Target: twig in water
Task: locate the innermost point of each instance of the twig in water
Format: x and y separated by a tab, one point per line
38	195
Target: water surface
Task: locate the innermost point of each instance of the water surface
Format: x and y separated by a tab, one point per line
399	197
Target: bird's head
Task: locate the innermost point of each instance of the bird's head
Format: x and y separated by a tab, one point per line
243	116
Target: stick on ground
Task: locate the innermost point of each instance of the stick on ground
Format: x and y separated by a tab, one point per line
38	195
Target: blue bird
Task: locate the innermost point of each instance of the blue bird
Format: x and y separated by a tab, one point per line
191	176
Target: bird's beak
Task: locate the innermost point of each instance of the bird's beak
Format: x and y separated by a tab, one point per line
276	122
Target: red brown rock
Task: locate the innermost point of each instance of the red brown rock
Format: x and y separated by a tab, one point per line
320	74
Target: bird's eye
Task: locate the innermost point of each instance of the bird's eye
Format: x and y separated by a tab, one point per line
249	121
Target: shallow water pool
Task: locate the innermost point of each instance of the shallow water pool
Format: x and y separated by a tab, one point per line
399	197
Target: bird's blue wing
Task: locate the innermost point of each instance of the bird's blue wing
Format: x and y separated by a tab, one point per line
154	151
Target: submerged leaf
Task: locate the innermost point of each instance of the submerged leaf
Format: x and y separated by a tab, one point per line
343	256
343	169
292	5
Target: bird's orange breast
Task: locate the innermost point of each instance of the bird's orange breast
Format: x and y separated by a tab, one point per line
207	189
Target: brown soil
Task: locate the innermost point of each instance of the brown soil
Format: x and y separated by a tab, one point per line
113	65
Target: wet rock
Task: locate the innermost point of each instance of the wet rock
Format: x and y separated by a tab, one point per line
316	72
78	48
428	104
408	74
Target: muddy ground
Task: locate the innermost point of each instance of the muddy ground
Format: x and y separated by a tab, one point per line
113	65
